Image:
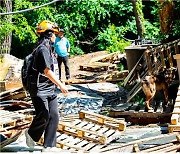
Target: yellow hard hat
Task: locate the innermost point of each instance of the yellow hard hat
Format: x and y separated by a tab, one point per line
47	25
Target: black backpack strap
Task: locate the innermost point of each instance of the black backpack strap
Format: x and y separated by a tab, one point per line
34	53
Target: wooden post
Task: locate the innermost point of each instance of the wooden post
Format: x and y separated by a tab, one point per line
162	57
169	57
177	57
176	48
148	60
155	61
81	115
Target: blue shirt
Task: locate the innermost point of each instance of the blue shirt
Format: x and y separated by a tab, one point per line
61	45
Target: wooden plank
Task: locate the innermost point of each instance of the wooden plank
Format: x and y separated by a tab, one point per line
102	119
62	145
11	139
162	57
10	119
82	133
97	66
175	119
105	57
176	48
7	92
138	142
176	110
155	61
156	148
148	60
168	149
168	51
177	104
178	97
136	148
7	124
174	128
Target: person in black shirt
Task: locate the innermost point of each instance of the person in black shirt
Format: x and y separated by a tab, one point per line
43	87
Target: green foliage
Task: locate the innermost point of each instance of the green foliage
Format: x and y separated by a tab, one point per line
101	24
120	67
86	18
139	99
152	31
111	39
176	25
1	59
24	33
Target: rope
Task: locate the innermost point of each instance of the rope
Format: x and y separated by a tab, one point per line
26	10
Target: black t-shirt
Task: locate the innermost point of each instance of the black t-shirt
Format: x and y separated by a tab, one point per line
42	85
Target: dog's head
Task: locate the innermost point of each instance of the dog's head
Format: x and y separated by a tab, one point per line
149	79
169	74
166	74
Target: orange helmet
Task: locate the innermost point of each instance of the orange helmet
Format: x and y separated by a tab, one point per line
46	25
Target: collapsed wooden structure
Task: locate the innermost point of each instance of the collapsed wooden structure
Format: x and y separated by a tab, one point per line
10	122
87	131
90	132
150	62
175	121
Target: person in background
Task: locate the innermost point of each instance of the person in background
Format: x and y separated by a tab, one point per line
43	88
62	48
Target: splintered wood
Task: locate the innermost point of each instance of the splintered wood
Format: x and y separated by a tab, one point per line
10	119
175	124
16	94
100	119
171	146
87	131
98	66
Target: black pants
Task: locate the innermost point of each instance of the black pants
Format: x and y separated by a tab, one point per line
46	120
63	60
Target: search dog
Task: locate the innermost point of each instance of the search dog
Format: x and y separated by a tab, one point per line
160	81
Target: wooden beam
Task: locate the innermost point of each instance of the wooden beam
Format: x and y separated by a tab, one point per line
81	132
162	57
104	120
168	50
148	60
156	148
139	141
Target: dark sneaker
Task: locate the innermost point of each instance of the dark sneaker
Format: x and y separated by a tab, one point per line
29	141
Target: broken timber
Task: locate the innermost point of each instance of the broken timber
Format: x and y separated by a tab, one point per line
100	119
87	131
175	123
149	63
98	66
11	137
10	119
82	133
136	142
137	113
16	93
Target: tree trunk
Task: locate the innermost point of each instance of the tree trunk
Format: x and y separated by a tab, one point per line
166	15
6	42
139	23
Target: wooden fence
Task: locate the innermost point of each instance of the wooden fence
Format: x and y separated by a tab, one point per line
150	62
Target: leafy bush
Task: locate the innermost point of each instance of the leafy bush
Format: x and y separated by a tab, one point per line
151	31
111	39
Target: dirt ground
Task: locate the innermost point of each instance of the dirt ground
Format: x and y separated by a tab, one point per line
75	72
76	61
